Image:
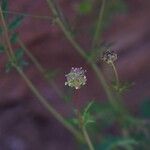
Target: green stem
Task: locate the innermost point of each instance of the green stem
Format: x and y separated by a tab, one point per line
6	35
84	131
26	15
116	73
99	25
42	70
87	138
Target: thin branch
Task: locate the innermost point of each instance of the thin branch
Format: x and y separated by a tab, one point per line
97	34
6	35
27	15
41	69
116	73
84	131
87	138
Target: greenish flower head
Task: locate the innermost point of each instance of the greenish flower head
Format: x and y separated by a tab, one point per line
76	78
109	56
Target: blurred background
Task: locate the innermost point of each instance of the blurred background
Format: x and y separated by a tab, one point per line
24	123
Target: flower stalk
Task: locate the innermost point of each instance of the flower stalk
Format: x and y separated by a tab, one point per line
96	38
84	131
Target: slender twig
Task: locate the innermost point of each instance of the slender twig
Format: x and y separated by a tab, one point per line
84	131
87	138
99	25
116	73
26	15
56	11
75	132
6	35
41	69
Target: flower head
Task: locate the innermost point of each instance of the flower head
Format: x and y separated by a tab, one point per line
76	78
109	56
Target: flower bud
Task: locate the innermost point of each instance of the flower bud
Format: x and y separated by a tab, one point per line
109	56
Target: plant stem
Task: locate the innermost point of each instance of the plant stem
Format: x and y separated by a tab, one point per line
99	25
87	138
26	15
75	132
41	69
116	73
6	35
84	131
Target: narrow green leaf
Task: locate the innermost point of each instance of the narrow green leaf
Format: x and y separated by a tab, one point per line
85	7
68	94
51	74
73	121
145	108
22	63
15	23
113	142
19	54
88	107
19	60
8	67
4	6
1	30
14	38
2	48
87	117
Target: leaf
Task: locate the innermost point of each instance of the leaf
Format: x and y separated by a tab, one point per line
73	121
122	87
1	30
22	63
51	74
19	60
85	7
8	67
88	107
19	54
87	117
4	7
104	114
145	108
118	6
14	38
2	48
112	8
15	23
113	142
68	94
